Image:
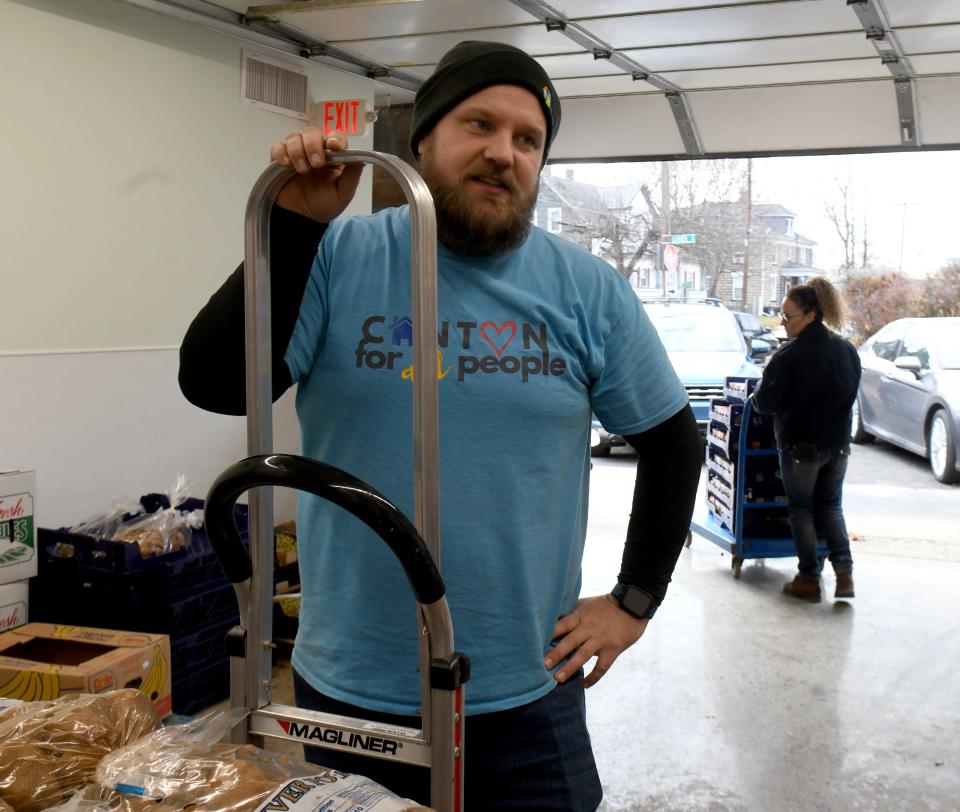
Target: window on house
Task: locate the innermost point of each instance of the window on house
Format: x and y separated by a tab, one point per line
736	285
534	218
553	220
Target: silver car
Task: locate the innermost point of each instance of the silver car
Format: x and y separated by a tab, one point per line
910	391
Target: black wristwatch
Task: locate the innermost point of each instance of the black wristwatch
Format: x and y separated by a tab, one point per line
634	601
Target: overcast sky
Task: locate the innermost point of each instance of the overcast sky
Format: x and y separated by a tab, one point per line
910	201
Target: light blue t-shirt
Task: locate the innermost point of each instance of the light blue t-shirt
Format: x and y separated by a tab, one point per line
531	341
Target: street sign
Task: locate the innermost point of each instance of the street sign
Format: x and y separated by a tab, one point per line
679	239
671	257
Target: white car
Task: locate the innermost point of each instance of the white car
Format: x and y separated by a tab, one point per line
705	345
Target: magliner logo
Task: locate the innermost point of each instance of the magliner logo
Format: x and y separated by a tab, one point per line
340	738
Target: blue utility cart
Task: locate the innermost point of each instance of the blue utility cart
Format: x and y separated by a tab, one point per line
746	507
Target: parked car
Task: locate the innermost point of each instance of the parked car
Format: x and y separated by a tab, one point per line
705	346
910	391
752	327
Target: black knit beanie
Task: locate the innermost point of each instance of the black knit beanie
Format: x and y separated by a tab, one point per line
470	67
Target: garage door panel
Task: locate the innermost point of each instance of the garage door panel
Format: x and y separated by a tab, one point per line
858	114
428	48
389	20
939	110
814	17
575	9
616	127
927	40
600	86
576	65
779	74
735	54
936	63
921	12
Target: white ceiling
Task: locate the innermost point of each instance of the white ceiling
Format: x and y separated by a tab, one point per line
674	77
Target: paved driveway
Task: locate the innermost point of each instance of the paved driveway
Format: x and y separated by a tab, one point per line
738	698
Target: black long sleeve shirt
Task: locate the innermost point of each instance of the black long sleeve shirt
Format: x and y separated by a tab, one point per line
809	387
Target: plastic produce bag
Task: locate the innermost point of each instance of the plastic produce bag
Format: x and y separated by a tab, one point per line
185	768
105	525
166	530
50	749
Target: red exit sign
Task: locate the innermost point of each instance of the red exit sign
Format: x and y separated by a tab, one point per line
349	116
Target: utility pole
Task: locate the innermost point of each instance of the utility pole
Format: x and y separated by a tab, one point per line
903	229
746	241
664	220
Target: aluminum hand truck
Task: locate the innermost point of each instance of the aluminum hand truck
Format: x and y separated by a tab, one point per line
443	671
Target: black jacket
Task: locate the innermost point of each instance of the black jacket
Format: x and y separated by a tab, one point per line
809	386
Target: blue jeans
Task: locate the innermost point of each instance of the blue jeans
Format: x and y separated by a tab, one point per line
814	487
535	757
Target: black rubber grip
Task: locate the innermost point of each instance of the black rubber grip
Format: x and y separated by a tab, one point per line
327	482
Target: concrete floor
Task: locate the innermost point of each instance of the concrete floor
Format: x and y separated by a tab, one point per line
738	698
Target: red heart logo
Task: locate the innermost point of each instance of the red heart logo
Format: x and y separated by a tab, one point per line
497	342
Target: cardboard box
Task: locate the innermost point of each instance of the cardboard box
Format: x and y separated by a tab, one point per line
14	600
18	529
45	660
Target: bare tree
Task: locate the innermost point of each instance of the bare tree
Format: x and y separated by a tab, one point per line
847	212
607	217
708	200
630	233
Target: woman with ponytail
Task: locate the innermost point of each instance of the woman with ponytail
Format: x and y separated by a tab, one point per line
809	387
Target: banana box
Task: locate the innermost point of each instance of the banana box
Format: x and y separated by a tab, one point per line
42	661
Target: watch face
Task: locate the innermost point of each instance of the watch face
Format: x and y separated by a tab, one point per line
635	601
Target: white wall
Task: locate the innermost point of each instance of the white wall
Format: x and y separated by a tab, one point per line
126	159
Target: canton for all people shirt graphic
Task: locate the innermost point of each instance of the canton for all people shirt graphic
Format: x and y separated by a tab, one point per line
466	348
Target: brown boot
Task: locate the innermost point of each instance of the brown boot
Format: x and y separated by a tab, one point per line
844	585
803	588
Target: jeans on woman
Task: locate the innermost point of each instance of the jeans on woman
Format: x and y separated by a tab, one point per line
814	486
535	757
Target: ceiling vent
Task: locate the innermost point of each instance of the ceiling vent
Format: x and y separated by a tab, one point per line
274	85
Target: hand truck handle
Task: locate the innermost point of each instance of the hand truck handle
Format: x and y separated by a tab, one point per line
426	412
332	484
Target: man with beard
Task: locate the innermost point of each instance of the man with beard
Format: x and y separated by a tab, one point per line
534	335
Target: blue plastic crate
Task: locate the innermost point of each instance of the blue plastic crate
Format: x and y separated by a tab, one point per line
202	688
109	584
200	648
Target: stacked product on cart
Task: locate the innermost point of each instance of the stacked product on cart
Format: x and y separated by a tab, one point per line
746	503
723	437
107	583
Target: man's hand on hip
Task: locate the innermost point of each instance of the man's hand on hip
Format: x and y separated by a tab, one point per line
597	627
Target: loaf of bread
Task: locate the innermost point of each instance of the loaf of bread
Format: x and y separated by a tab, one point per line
48	750
152	541
184	773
